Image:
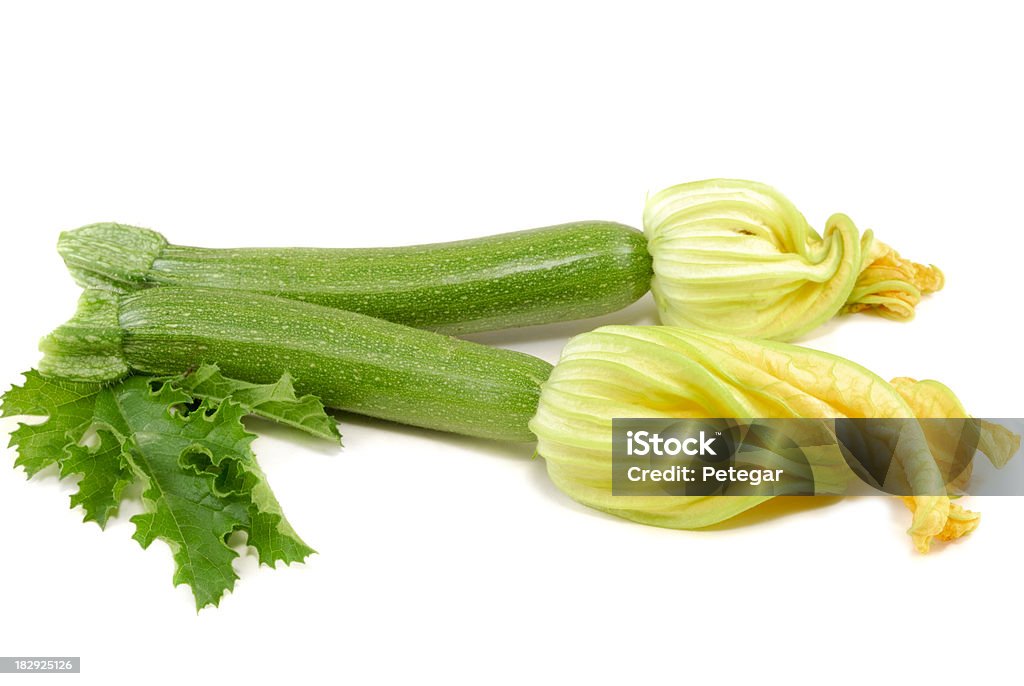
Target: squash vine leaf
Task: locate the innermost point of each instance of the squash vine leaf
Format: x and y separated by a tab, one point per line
183	439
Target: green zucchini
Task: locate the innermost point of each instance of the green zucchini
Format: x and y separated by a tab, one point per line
351	361
725	255
426	379
556	273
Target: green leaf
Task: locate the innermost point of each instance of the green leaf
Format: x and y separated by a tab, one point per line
276	401
68	406
193	457
105	472
200	481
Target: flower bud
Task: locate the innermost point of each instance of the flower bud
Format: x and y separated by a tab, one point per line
737	257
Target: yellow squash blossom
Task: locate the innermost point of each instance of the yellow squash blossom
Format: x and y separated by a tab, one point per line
737	257
670	372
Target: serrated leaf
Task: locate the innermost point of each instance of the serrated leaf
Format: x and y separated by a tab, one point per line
105	473
269	532
277	401
201	483
68	406
201	478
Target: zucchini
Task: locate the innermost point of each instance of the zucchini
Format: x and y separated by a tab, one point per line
725	255
551	274
426	379
351	361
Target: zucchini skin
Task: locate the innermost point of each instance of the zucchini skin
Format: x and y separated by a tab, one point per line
551	274
351	361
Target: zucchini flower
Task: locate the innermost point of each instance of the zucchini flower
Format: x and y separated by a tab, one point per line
737	257
724	255
671	372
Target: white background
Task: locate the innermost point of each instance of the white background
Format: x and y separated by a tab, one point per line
451	560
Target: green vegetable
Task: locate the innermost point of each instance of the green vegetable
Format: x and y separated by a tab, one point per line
192	455
427	379
571	271
727	255
350	361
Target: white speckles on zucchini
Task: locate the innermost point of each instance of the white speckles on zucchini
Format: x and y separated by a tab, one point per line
556	273
351	361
